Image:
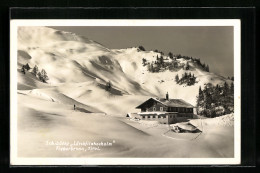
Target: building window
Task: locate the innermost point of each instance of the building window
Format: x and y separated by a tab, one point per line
159	116
154	108
153	116
161	108
148	116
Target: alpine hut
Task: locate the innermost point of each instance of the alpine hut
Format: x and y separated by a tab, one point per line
165	110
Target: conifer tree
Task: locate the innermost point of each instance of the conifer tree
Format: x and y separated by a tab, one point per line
177	78
232	87
216	100
23	69
175	64
170	55
35	70
152	69
108	86
27	67
44	76
207	68
149	67
161	60
141	48
39	75
200	98
144	61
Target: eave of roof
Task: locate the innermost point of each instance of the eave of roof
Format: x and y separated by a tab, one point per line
169	103
156	113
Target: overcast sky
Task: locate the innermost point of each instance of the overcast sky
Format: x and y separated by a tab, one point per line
212	44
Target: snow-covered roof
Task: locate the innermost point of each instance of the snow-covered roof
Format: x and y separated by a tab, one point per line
174	102
170	102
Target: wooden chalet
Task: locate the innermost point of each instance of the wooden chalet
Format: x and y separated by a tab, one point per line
165	110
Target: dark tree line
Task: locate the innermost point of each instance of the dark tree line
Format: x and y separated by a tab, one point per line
160	65
156	66
215	101
25	68
42	75
187	78
202	65
158	51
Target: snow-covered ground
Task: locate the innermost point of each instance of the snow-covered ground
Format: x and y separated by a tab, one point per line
78	70
52	121
222	121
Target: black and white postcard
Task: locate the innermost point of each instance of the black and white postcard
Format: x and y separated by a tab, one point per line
125	92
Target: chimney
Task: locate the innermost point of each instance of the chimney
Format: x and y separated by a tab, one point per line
167	96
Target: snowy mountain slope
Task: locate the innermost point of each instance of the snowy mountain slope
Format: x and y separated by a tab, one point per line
29	81
162	82
52	95
70	59
91	93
